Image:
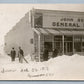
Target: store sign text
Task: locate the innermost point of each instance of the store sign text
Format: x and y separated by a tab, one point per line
67	22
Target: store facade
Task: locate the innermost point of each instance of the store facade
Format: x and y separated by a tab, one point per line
61	30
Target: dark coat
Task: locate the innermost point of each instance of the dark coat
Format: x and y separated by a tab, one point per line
21	55
13	54
55	53
21	52
45	55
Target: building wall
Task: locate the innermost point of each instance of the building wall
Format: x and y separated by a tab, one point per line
65	23
60	19
20	35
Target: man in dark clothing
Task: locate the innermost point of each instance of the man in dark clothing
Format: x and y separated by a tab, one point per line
45	55
55	53
20	55
13	54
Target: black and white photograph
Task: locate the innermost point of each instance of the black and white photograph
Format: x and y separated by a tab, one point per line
41	41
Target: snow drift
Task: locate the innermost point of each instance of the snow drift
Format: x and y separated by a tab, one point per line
60	68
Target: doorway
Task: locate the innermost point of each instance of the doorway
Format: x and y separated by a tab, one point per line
68	45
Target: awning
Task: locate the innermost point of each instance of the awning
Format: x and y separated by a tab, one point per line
52	31
72	32
42	31
65	32
80	32
47	31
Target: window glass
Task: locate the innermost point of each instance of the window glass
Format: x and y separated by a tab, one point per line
68	38
57	38
38	20
77	46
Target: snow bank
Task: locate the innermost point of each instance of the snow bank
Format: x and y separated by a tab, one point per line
60	68
67	67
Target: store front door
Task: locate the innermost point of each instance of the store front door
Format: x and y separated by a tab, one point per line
68	48
68	45
47	50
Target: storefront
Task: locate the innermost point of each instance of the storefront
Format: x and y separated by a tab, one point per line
66	44
61	30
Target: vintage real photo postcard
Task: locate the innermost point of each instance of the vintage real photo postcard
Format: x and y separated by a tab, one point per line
41	41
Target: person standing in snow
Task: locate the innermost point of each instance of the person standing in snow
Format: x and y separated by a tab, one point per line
20	55
55	53
13	54
45	54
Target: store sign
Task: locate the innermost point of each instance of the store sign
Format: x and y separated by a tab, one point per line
63	22
60	24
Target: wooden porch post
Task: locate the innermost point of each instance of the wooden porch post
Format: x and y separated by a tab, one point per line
39	47
63	44
81	43
73	45
52	42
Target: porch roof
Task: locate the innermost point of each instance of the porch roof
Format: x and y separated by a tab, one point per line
47	31
76	32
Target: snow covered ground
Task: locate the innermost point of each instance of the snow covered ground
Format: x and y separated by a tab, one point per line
59	68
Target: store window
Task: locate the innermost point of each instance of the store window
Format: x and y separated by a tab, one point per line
48	45
77	43
58	43
68	38
48	38
83	44
48	42
57	38
38	20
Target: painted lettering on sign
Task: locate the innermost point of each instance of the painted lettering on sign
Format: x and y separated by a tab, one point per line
65	24
51	21
66	19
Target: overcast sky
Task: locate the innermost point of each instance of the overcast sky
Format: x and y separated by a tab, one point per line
10	14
